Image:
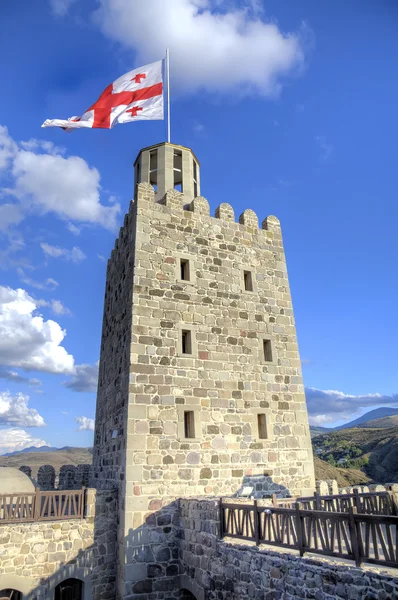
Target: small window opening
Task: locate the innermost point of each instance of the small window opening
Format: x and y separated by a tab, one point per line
189	423
262	426
177	168
247	276
267	349
186	342
153	168
195	178
184	269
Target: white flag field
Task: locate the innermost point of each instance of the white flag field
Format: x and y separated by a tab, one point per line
135	96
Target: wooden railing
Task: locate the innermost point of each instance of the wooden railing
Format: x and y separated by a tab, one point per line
359	537
42	506
369	503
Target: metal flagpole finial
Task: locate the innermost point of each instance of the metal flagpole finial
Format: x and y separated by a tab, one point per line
168	92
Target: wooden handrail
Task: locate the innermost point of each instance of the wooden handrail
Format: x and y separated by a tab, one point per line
42	506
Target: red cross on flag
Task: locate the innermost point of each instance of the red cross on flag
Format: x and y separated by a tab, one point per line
136	96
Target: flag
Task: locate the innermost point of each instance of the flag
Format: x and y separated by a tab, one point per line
135	96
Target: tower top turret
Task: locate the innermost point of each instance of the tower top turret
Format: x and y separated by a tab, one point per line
169	166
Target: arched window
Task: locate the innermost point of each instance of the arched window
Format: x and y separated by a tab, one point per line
70	589
10	594
186	595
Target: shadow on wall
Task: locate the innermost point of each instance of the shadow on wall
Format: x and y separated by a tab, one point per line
154	566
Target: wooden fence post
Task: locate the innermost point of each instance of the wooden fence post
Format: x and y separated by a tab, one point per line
83	502
256	523
299	530
221	519
357	500
353	535
317	501
274	502
37	504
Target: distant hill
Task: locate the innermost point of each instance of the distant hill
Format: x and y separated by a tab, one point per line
32	449
377	413
383	423
374	451
344	477
315	430
56	458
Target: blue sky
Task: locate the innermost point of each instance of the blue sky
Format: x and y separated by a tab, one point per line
291	110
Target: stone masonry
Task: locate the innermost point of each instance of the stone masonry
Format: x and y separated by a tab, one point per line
238	375
214	569
35	557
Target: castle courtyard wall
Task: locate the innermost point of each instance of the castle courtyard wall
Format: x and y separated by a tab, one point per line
36	557
215	569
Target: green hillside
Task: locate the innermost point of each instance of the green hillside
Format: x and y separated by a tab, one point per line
374	451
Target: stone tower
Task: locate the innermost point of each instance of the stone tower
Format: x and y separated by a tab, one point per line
200	389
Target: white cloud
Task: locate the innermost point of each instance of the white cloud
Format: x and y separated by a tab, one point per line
61	7
325	406
16	377
85	378
26	339
44	181
73	229
14	439
211	48
14	410
48	284
75	255
8	148
325	148
10	214
85	424
57	307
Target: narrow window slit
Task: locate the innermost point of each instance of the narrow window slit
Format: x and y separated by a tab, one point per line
189	424
184	269
262	426
186	342
247	276
267	349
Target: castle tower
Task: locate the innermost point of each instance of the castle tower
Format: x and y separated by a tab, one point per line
200	389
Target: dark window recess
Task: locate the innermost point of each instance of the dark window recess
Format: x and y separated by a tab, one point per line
262	426
189	423
184	269
177	169
247	277
267	349
70	589
186	342
10	594
195	179
153	167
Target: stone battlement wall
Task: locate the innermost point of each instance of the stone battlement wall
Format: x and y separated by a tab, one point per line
35	557
213	569
68	477
200	208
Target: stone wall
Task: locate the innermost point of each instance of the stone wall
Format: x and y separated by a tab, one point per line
68	477
216	570
147	383
35	557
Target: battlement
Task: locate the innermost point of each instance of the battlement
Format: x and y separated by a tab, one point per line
67	477
174	202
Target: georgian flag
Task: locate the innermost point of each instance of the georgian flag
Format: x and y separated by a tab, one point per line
135	96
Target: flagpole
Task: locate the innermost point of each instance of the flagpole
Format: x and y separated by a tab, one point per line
168	92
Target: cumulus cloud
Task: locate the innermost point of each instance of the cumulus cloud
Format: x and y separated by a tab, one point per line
238	50
57	307
85	378
14	439
17	378
26	339
14	410
75	255
44	181
325	406
85	424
